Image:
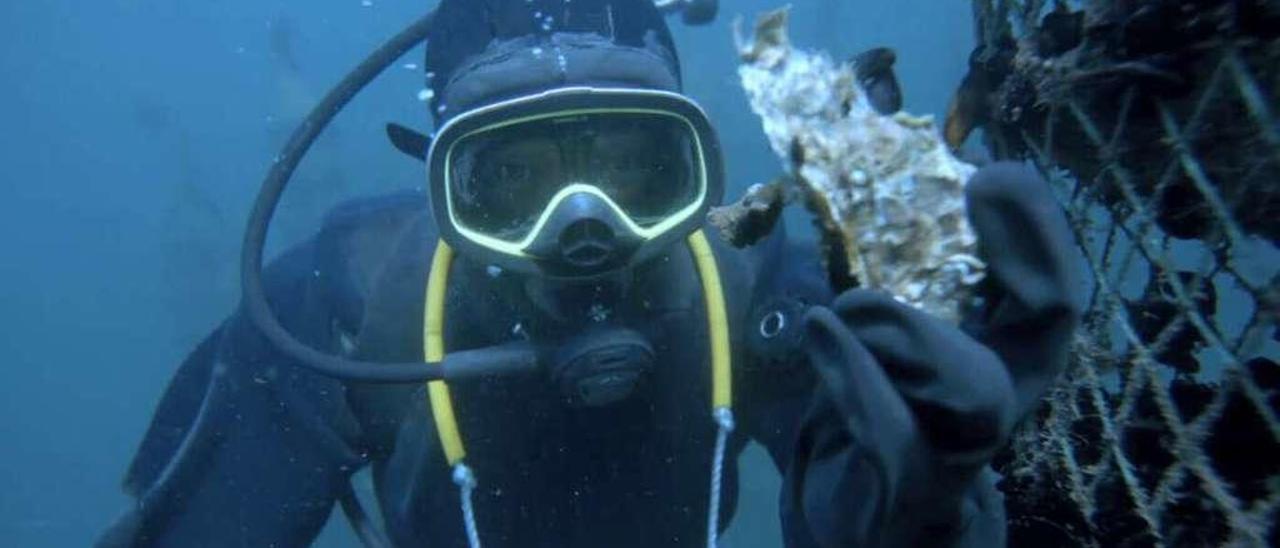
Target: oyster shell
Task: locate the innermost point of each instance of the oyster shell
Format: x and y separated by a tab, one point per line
888	193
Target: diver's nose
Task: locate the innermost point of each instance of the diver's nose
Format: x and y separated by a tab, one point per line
587	243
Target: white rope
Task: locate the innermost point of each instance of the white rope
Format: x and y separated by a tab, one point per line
724	425
466	482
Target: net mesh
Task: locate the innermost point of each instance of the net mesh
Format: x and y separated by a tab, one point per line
1166	158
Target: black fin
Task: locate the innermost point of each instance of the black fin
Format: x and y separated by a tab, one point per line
177	412
408	141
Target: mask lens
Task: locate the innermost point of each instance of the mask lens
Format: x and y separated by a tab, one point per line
501	180
647	166
500	183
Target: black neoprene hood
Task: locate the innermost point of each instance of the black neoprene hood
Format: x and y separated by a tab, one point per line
480	52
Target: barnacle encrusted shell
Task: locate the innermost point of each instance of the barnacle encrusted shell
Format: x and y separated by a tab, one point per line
885	187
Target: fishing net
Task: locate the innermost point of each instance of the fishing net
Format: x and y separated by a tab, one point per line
1156	123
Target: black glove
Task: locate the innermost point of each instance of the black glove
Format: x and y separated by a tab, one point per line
911	409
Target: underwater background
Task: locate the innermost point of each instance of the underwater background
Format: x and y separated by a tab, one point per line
133	137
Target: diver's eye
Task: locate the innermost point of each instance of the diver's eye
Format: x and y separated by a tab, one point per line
621	165
512	173
635	166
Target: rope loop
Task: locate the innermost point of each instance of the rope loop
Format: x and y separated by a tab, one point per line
724	425
466	482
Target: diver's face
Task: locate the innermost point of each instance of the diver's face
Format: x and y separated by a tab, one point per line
631	164
574	183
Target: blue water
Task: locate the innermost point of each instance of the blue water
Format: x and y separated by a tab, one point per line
133	135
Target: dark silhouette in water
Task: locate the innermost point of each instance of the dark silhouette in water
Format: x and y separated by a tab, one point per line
281	36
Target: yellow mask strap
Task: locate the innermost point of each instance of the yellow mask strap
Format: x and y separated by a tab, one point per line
433	339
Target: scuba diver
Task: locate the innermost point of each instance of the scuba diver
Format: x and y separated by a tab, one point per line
551	348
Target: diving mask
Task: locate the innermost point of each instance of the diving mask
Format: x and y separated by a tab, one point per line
574	182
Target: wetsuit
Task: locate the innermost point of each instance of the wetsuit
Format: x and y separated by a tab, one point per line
275	445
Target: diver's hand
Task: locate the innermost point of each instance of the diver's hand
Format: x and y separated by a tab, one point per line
911	409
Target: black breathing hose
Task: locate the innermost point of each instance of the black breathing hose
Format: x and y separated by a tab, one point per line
255	297
456	365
